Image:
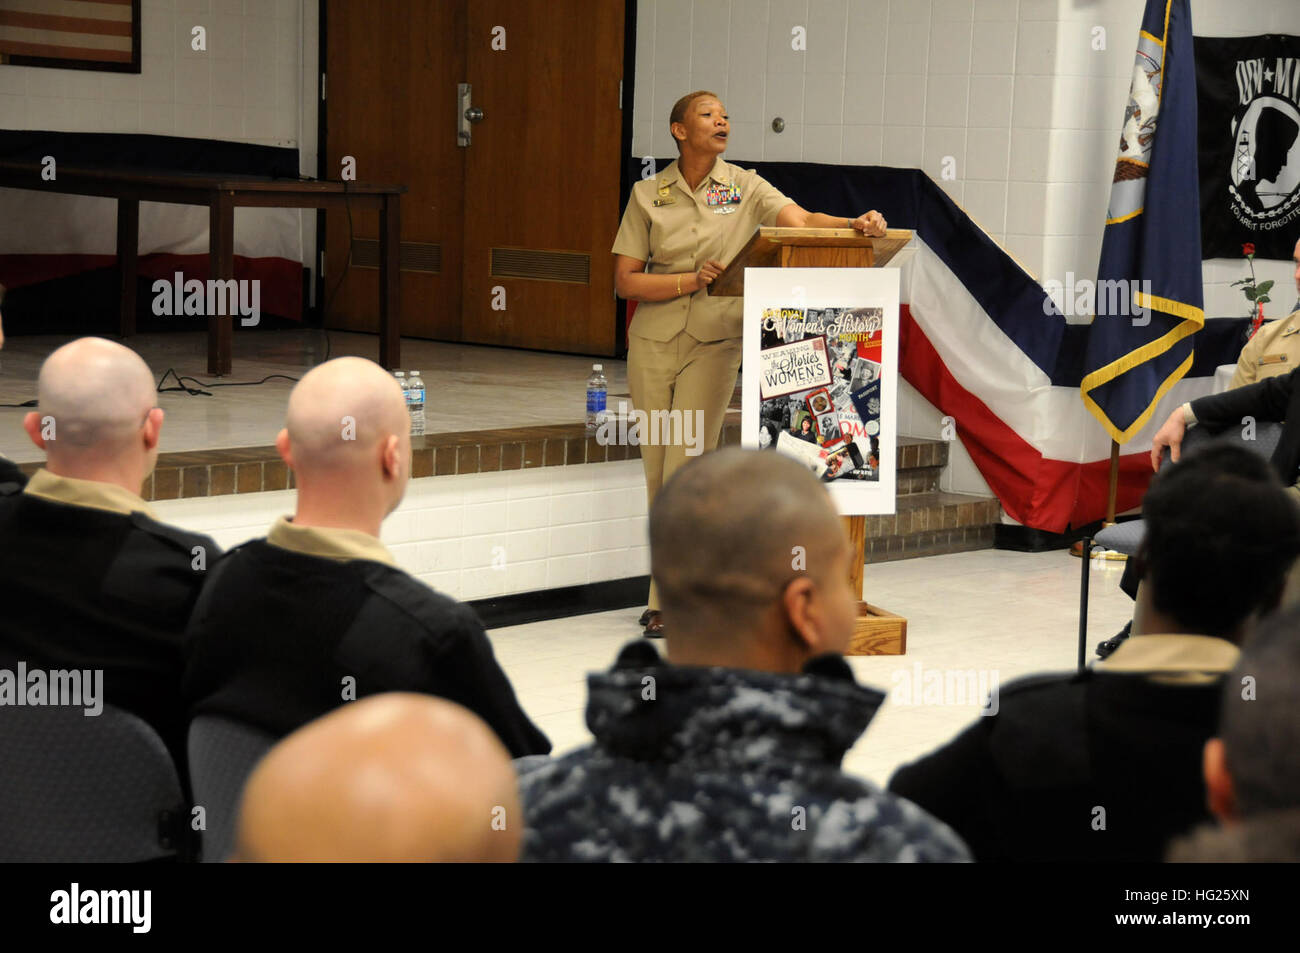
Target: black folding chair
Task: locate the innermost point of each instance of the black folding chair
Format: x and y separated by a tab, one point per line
87	788
222	755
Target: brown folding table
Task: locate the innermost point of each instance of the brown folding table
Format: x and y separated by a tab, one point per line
222	194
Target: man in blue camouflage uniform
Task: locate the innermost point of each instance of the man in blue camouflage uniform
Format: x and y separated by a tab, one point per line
732	753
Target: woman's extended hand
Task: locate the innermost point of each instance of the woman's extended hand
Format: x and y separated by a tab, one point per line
872	224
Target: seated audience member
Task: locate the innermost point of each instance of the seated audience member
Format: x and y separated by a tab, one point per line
9	472
1270	399
89	579
1275	348
1269	838
10	476
1252	769
1106	764
733	751
318	613
394	778
1274	351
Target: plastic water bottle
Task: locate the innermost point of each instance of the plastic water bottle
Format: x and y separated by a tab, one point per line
597	392
416	405
406	389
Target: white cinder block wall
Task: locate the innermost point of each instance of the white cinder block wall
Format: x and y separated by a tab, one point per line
256	83
483	534
1012	90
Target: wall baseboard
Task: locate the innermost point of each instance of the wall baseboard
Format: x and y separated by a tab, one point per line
545	604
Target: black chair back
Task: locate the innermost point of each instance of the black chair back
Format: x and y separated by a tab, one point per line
1264	439
222	755
86	788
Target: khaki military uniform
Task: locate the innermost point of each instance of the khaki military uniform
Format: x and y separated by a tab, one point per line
1273	351
684	353
94	494
328	542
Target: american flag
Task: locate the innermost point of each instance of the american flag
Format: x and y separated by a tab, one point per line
85	33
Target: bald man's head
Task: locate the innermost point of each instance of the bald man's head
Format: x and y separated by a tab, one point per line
741	537
390	778
348	430
96	401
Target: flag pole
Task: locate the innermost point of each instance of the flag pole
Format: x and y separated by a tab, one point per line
1114	483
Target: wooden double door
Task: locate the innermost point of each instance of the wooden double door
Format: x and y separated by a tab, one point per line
505	240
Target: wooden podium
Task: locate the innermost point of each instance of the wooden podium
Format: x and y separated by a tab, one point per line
877	631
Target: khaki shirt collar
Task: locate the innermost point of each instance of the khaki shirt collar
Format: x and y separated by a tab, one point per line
328	542
672	174
1191	659
1293	324
719	172
88	493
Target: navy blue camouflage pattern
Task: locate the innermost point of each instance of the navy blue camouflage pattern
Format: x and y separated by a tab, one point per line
718	764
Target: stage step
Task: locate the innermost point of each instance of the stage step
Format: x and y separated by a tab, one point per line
928	522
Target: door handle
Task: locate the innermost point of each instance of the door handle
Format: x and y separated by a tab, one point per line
466	114
463	109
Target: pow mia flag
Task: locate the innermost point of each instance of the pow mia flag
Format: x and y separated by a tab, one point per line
1248	89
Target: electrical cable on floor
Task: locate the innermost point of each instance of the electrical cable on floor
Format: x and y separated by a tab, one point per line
197	391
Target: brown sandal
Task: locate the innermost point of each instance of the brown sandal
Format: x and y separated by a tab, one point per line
653	620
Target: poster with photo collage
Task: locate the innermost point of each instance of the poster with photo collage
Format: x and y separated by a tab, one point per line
819	376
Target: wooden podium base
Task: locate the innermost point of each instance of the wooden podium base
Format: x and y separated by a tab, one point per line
877	631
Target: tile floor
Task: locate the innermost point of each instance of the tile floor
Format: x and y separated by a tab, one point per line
1004	613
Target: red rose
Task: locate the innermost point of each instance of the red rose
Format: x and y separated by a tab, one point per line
1248	248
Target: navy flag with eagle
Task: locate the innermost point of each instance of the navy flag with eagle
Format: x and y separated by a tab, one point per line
1149	293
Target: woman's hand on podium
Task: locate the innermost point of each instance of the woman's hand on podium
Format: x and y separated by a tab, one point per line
872	224
706	275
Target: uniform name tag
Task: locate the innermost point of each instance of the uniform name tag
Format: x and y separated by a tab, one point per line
724	210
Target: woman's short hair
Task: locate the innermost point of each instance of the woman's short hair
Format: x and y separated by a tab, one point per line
679	109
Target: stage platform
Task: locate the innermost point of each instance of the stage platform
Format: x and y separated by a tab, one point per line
470	387
494	514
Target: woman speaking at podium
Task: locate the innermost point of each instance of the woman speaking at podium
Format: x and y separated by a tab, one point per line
678	231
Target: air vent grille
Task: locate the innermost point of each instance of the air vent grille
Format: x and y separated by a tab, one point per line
541	265
415	256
